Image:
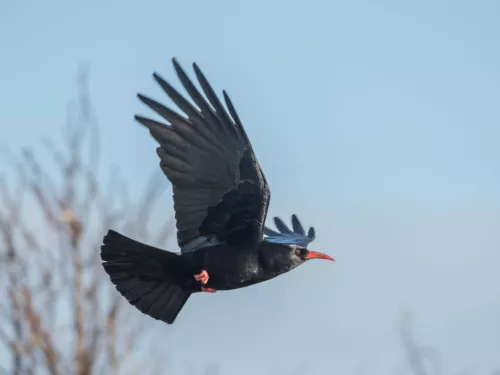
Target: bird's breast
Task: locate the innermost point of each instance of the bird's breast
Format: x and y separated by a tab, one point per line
233	269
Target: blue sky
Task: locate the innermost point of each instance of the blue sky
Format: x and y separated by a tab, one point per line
376	122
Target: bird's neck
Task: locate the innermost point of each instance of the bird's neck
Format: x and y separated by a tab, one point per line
270	258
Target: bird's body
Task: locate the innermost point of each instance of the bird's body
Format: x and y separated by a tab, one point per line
221	199
229	267
236	267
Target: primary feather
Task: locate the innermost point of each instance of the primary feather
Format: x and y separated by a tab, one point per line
296	236
220	192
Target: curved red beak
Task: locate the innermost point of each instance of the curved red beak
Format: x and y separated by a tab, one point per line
318	255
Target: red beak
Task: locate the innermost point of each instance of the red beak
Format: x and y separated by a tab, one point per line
318	255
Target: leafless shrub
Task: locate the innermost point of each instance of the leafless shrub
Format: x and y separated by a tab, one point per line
59	314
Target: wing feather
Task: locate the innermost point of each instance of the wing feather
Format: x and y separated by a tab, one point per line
219	190
286	236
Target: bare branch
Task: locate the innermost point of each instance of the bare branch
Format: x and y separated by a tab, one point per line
62	315
421	360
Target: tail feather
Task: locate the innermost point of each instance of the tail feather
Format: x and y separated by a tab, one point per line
137	273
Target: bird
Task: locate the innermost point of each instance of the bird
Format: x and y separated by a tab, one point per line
221	199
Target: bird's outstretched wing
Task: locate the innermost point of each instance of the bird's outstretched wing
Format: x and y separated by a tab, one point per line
219	190
296	236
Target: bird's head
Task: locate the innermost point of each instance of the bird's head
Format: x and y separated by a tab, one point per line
285	257
289	246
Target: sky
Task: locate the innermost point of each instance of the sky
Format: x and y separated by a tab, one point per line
376	122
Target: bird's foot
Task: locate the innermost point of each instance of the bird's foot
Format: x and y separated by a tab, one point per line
208	290
202	277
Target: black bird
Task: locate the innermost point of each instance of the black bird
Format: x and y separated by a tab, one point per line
221	199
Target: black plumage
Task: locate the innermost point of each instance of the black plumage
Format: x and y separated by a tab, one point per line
221	198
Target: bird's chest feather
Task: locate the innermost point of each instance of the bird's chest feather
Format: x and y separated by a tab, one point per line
232	269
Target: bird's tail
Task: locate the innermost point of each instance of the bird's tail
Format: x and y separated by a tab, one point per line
136	271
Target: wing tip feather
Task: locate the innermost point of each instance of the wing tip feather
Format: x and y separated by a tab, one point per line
143	98
285	232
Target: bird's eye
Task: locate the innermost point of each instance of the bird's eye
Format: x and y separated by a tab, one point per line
298	251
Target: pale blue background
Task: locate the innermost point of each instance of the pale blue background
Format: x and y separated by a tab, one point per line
377	122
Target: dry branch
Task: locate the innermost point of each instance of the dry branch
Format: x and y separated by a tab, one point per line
62	315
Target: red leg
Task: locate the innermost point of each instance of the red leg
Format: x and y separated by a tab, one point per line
208	290
202	277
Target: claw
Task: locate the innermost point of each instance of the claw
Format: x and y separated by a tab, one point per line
202	277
